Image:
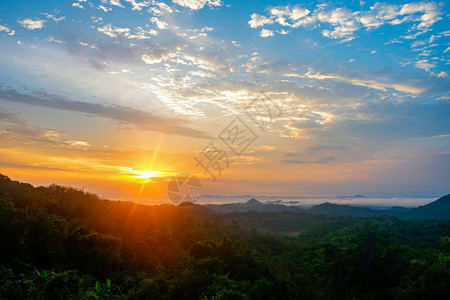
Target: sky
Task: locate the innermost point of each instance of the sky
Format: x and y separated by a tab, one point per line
275	98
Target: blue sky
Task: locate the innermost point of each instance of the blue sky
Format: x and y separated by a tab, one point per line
117	87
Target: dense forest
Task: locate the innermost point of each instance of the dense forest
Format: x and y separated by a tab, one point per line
63	243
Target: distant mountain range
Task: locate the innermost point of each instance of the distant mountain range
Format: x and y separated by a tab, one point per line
253	205
331	209
439	209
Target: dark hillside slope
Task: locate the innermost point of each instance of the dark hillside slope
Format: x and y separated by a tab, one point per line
331	209
439	209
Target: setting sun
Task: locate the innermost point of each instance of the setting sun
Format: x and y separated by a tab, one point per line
148	174
142	174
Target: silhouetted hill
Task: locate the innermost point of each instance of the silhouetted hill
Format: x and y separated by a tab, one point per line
331	209
439	209
253	205
396	210
253	202
328	209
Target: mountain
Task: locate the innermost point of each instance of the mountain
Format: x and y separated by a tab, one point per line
252	202
253	205
331	209
358	196
439	209
324	209
396	209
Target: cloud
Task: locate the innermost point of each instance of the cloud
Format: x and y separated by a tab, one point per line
371	130
76	4
7	116
197	4
266	33
283	32
53	17
52	39
141	119
430	10
319	154
345	22
142	34
402	121
160	24
57	150
425	64
27	166
160	8
138	5
104	8
323	160
370	83
112	2
20	130
150	60
183	54
31	24
114	32
157	55
86	44
294	13
7	30
195	33
297	131
258	20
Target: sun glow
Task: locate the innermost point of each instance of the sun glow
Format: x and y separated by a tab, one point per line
148	174
140	175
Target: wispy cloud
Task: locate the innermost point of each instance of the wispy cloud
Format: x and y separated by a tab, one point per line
370	83
141	119
19	130
114	32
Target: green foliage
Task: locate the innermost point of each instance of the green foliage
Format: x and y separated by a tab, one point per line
63	243
53	285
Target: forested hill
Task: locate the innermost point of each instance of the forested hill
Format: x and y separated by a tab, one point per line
63	243
439	209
